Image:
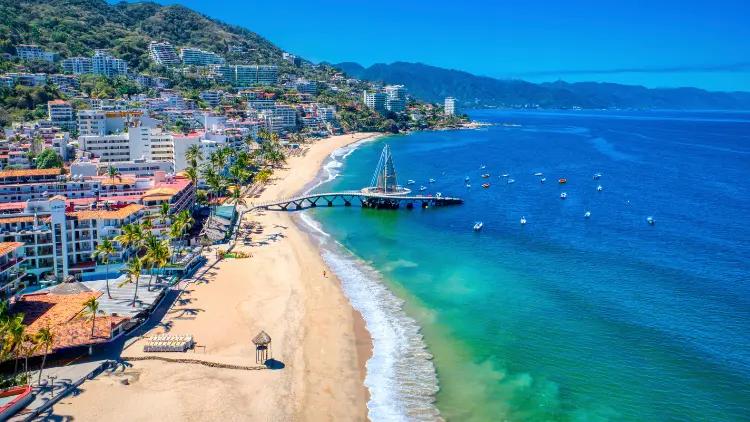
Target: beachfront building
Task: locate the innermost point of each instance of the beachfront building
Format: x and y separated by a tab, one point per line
30	52
375	100
198	57
450	106
78	65
11	258
163	53
60	114
395	98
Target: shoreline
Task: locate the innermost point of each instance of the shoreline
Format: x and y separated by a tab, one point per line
318	336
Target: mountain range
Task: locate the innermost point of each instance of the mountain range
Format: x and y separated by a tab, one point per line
432	83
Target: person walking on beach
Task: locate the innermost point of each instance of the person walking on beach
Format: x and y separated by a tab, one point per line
324	274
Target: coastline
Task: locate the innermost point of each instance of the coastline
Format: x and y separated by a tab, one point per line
318	336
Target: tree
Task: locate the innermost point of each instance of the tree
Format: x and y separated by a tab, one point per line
133	271
48	159
131	236
112	172
157	255
15	331
193	155
104	250
45	338
91	308
164	212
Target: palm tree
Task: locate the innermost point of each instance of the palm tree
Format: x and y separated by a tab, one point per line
237	197
29	346
133	270
91	308
131	236
104	251
193	155
15	331
164	212
45	338
112	173
183	222
157	255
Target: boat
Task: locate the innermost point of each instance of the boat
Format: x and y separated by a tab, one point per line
421	188
543	179
482	167
599	188
506	175
14	399
486	175
650	220
431	180
563	195
587	214
538	174
478	226
597	176
438	195
523	220
485	185
511	181
410	182
466	179
468	186
562	181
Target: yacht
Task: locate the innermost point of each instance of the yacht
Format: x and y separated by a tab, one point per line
421	188
466	179
543	179
478	226
486	175
506	174
485	185
538	174
482	167
597	176
599	188
468	186
523	220
587	214
563	195
432	180
410	182
511	181
562	180
650	220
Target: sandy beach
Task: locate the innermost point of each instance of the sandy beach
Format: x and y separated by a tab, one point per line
317	336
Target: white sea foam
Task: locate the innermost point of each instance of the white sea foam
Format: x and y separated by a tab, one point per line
400	376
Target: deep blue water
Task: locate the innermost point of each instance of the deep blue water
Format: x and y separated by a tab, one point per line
568	318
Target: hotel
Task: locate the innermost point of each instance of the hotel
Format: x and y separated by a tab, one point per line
163	53
450	106
198	57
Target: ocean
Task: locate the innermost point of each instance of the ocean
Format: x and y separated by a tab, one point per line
565	318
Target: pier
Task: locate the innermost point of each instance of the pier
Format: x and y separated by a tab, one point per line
384	192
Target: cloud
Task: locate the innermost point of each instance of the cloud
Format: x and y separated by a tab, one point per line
732	67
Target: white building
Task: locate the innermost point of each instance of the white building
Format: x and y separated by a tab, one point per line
396	98
211	98
31	52
247	75
77	65
104	64
60	114
450	106
198	57
375	100
163	53
108	148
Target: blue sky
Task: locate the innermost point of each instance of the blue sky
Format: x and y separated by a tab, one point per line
654	43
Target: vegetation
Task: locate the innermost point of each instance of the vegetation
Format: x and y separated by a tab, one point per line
90	309
25	103
104	250
48	159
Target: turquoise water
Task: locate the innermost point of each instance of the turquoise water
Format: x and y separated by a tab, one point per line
565	318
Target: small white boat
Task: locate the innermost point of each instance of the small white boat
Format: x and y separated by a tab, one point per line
538	174
511	181
431	180
523	220
466	179
543	179
482	167
410	182
478	226
506	175
650	220
421	188
486	175
599	188
587	214
597	176
468	186
438	195
563	195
